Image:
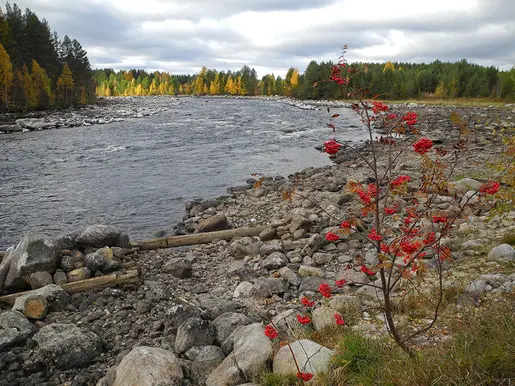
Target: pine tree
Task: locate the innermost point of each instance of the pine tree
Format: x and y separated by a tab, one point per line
6	76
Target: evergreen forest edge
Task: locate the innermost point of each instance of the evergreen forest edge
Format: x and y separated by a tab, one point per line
39	71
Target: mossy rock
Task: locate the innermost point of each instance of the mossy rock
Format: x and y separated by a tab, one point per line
509	238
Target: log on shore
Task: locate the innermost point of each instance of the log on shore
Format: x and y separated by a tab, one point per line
197	238
84	285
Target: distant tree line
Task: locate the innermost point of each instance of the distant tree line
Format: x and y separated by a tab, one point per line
390	81
38	70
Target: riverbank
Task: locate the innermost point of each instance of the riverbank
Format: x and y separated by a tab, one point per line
217	287
118	109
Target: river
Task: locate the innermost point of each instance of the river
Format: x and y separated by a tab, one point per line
137	174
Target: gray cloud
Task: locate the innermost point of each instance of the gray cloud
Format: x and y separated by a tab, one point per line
186	35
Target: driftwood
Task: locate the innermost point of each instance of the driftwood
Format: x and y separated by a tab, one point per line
84	285
197	238
34	307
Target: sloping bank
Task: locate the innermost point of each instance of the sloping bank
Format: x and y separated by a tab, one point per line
195	314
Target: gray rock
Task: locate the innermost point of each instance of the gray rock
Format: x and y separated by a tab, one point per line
323	317
238	249
314	243
252	350
299	222
193	352
207	360
320	258
56	297
226	323
268	234
274	261
67	346
243	290
102	260
74	261
123	241
503	251
179	267
312	283
464	185
257	192
60	277
216	306
305	271
34	253
477	287
180	313
99	236
215	223
287	324
239	269
149	366
495	280
470	198
67	241
352	276
40	279
290	276
194	332
226	373
345	303
472	244
5	264
268	249
371	257
311	357
266	287
14	329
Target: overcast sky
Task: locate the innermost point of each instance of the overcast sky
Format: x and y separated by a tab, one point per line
181	36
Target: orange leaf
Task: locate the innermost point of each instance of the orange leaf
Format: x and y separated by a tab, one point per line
335	115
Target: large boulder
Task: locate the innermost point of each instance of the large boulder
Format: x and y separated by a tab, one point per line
311	357
324	317
14	329
208	359
503	251
67	346
215	223
99	236
34	253
5	264
194	332
149	366
252	350
226	323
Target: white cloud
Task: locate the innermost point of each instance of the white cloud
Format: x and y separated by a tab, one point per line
272	35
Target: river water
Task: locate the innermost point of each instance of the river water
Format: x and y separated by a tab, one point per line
137	174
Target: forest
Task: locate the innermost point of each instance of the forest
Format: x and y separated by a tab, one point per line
38	70
390	81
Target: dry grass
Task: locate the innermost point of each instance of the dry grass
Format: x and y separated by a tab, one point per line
481	353
465	102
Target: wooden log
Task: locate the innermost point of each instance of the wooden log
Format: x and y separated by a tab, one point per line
33	307
197	238
84	285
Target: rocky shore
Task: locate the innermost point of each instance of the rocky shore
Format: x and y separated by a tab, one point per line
195	316
107	110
